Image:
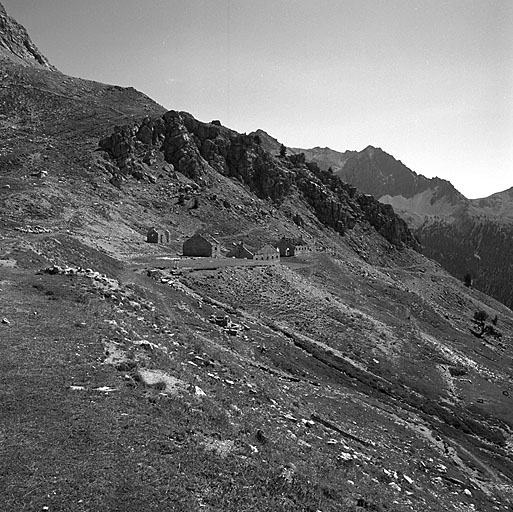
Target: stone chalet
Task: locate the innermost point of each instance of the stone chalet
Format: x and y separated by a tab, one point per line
202	245
240	252
292	246
158	236
267	253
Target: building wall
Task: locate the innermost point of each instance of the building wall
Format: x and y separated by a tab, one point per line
165	236
286	248
267	256
215	250
158	236
152	237
198	246
300	249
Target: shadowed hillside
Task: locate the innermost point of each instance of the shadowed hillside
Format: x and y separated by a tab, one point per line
465	236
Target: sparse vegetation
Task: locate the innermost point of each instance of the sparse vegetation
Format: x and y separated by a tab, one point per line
480	318
352	383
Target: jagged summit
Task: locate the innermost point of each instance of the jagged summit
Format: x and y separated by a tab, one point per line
16	45
268	142
378	173
370	149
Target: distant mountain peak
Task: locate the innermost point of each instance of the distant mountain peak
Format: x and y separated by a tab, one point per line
377	172
268	142
16	45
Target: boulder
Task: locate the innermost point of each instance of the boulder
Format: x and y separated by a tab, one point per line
145	134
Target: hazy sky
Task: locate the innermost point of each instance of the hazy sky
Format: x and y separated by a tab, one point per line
428	81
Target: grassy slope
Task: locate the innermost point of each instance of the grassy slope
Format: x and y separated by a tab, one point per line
325	336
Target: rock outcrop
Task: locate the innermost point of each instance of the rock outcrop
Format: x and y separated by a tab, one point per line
180	148
198	150
16	45
133	147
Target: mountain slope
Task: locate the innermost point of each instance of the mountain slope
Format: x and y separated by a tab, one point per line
380	174
465	236
349	378
498	205
16	45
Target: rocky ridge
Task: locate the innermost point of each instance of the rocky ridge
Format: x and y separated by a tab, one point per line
465	236
326	158
16	45
378	173
198	149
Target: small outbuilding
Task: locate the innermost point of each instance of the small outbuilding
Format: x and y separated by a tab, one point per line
202	245
292	246
240	252
158	236
267	253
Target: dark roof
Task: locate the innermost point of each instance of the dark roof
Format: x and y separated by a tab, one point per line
267	249
209	238
238	250
293	241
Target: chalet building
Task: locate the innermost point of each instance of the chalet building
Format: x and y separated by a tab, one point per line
267	253
158	236
292	246
202	245
302	247
240	252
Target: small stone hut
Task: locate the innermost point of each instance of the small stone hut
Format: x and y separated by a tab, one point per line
292	246
158	236
267	253
202	245
240	252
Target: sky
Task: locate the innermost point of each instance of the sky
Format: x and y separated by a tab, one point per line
428	81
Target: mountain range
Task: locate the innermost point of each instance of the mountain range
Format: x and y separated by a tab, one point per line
467	236
356	375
